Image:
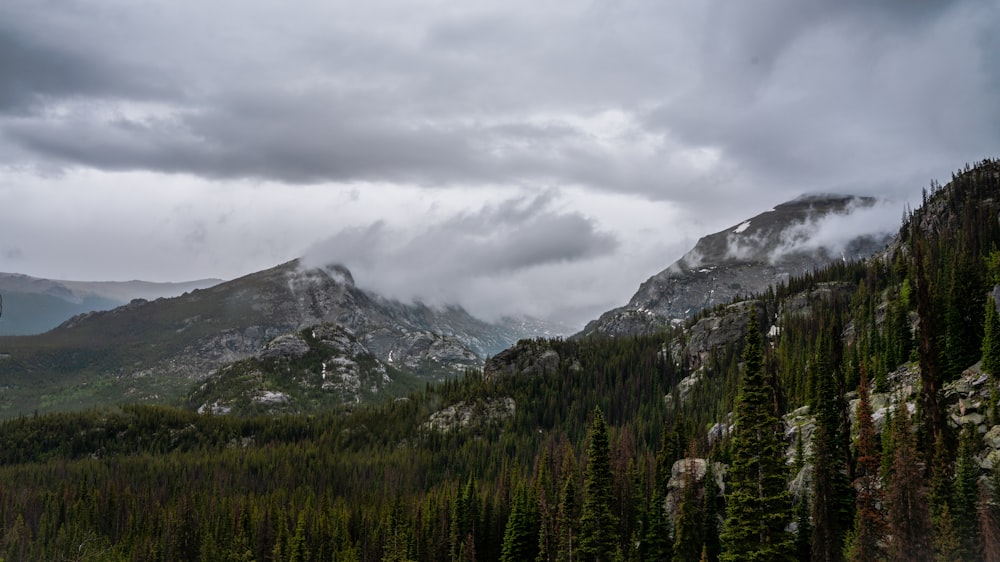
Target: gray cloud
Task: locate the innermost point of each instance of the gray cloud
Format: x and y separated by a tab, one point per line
470	255
711	110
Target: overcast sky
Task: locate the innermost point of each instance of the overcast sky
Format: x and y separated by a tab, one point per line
516	156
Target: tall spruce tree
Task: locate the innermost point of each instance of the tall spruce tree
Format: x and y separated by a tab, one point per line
832	495
566	527
967	495
867	539
909	519
803	521
963	315
598	524
710	515
520	540
758	506
991	354
688	527
991	337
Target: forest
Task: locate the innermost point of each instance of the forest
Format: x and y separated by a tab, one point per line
855	419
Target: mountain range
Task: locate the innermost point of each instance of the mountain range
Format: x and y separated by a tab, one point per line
33	305
824	380
155	350
293	338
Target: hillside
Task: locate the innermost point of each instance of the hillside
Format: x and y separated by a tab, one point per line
154	351
863	396
33	305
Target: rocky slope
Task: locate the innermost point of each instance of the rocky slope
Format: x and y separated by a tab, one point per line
153	350
744	259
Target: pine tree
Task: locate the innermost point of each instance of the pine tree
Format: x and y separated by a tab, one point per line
598	524
963	316
832	495
297	547
520	540
803	522
908	517
869	533
989	517
657	546
566	513
966	495
991	337
688	540
758	506
991	354
710	515
547	508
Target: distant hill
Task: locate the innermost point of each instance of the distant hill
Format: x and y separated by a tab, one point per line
154	351
33	305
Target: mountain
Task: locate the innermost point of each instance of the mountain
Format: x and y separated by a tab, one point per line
33	305
155	350
509	452
743	259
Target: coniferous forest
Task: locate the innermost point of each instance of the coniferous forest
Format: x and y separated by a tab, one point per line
855	418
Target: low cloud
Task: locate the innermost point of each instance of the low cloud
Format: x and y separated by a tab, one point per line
505	258
837	233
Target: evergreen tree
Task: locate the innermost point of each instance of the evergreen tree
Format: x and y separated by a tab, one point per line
868	536
991	354
520	540
758	507
566	514
656	544
598	524
297	551
908	518
932	373
803	522
989	517
710	515
964	315
688	539
991	337
547	509
832	495
465	509
966	495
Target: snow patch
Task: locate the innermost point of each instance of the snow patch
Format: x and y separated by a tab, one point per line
741	228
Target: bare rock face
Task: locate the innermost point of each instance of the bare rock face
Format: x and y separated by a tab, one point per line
728	326
529	357
742	260
471	415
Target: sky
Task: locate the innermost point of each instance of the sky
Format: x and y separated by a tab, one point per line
514	157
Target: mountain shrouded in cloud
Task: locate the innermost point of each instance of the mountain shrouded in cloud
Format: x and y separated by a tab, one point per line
176	140
466	257
789	240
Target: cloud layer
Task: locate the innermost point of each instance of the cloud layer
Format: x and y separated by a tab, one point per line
515	116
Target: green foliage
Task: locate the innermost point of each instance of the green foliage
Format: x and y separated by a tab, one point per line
908	517
689	524
598	523
991	338
758	506
520	541
832	503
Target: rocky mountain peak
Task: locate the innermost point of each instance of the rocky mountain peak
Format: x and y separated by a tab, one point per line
743	259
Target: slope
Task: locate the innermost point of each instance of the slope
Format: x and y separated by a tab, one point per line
744	259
